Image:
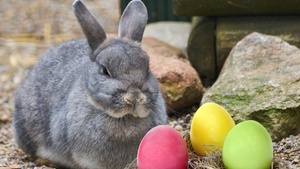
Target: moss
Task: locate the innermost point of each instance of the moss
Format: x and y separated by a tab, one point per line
173	90
279	122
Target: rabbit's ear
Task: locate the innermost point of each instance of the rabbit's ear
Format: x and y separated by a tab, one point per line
133	21
90	26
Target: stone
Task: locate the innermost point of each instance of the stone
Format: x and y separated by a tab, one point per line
155	46
178	80
260	80
173	33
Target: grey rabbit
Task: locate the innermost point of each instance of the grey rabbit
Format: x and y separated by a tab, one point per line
89	102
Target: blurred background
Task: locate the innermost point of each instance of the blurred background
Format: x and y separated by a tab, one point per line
30	27
158	10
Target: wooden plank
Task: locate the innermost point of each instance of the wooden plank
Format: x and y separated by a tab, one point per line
235	7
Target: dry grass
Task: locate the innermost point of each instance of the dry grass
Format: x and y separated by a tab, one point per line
29	27
32	16
212	161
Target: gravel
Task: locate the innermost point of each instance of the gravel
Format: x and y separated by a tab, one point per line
286	151
289	149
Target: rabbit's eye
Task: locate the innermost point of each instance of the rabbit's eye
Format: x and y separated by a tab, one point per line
103	70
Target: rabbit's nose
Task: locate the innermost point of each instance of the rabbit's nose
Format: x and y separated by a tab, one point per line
128	99
134	98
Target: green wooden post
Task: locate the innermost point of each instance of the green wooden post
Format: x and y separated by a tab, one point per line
158	10
235	7
201	48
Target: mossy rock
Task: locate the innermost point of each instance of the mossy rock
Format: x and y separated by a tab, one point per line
260	81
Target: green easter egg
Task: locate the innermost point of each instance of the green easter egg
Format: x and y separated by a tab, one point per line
248	146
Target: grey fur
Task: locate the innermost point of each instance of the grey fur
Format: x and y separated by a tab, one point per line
88	103
133	28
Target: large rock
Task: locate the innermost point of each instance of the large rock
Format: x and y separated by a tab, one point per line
178	80
260	80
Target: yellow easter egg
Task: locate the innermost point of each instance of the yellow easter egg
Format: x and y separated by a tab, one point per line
210	126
